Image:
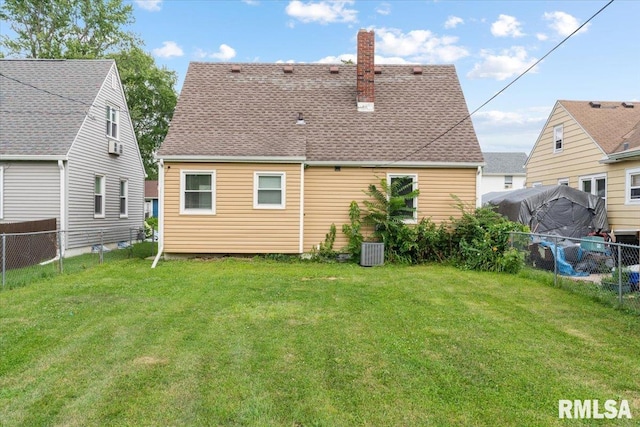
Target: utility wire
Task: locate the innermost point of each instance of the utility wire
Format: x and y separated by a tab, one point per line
468	116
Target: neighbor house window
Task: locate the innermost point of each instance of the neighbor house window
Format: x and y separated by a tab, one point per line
594	184
563	181
198	192
558	138
269	190
632	188
98	196
406	184
124	195
508	181
112	122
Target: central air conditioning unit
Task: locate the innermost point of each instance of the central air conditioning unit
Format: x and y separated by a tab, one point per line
115	147
372	254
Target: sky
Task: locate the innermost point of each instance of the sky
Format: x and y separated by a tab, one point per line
489	42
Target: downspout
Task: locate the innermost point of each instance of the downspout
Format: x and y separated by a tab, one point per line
479	187
301	248
63	208
160	213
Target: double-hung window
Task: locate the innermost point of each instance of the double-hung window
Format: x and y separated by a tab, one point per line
594	184
113	116
632	187
269	190
508	181
198	192
99	196
124	196
403	185
558	138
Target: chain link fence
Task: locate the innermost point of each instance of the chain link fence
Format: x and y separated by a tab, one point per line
27	257
592	265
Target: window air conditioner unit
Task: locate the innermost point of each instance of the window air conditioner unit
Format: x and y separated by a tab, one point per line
115	147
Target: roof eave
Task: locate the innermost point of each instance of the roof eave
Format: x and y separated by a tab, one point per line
619	157
34	158
403	164
232	159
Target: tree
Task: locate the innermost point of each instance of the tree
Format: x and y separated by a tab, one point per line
67	28
91	29
151	98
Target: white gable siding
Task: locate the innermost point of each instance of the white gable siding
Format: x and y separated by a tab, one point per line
89	156
491	183
31	191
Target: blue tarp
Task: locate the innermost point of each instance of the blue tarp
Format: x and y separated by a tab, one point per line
564	267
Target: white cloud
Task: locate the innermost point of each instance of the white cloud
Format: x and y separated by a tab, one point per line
419	46
384	9
563	23
168	50
224	53
508	63
542	37
506	26
152	5
510	130
251	2
324	12
501	118
453	21
395	60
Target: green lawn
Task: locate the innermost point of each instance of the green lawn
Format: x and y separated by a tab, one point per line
255	342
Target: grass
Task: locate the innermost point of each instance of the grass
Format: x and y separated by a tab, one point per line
257	342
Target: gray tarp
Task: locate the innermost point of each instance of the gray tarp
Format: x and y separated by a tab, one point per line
553	209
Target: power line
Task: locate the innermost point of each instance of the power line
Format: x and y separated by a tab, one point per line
468	116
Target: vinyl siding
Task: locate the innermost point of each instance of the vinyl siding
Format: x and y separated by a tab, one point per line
31	191
622	217
89	156
328	195
236	227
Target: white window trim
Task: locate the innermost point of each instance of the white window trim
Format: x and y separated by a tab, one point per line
414	177
103	193
1	192
126	198
563	181
183	180
557	128
283	188
536	184
627	187
593	179
117	121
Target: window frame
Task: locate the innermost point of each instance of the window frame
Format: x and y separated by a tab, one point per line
183	183
627	187
536	184
113	118
124	214
283	190
414	178
563	181
103	194
593	179
558	129
508	183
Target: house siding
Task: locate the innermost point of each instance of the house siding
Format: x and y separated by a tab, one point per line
236	227
328	195
491	183
88	157
31	191
622	217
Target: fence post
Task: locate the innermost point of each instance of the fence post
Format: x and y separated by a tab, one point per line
619	274
555	260
153	241
101	246
60	241
4	257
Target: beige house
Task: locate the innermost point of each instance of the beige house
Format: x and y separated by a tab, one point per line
595	147
263	158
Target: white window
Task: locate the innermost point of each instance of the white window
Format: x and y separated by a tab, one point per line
508	181
632	187
98	196
536	184
124	197
563	181
558	138
594	184
405	185
113	115
198	192
269	190
1	189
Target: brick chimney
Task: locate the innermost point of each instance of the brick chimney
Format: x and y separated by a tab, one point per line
365	95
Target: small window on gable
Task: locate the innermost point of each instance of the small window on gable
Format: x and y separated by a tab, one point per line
99	196
113	116
269	190
508	181
558	138
114	81
404	185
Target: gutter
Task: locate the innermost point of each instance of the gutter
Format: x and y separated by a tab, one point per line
617	157
160	213
63	207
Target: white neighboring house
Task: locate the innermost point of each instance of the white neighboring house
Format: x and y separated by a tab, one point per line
68	150
503	172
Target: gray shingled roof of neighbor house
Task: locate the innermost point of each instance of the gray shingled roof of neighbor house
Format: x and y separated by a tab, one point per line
504	163
253	113
610	125
43	103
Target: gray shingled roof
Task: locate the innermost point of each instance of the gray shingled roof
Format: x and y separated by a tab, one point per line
504	163
253	113
36	123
